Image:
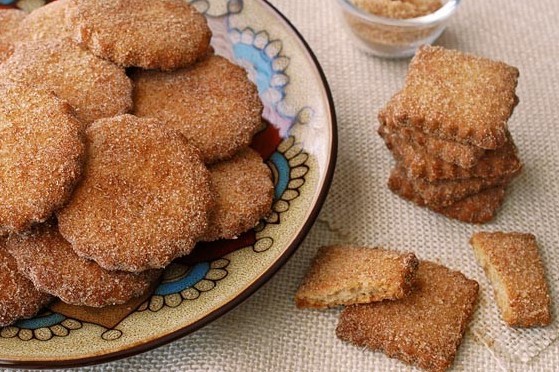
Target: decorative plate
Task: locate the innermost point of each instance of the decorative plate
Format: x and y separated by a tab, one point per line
298	141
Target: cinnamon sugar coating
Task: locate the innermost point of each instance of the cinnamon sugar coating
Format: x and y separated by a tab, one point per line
425	328
399	9
478	208
344	275
444	193
163	34
462	155
213	104
47	259
513	264
10	19
42	155
44	23
458	97
144	199
18	297
94	87
244	192
419	163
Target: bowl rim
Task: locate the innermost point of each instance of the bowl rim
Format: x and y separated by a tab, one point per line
440	15
253	287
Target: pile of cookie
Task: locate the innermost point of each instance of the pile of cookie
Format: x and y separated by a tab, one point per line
447	130
125	141
418	311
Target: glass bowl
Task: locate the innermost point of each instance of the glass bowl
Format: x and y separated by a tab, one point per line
394	38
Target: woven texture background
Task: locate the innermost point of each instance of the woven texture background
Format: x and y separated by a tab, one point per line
267	332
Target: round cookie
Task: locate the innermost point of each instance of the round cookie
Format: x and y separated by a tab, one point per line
244	193
213	104
18	297
163	34
45	258
44	23
10	19
144	199
42	149
94	87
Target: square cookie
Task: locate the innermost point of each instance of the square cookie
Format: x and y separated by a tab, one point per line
512	263
424	329
343	275
458	97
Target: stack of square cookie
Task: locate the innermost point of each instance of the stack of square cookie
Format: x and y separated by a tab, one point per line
447	130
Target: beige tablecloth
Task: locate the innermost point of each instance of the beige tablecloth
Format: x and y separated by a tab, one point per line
267	332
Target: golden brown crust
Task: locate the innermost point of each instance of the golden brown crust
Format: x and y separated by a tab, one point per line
244	192
213	104
458	97
164	34
462	155
478	208
144	199
44	23
10	19
425	328
42	155
344	275
399	9
6	51
45	258
420	164
94	87
513	264
441	194
18	297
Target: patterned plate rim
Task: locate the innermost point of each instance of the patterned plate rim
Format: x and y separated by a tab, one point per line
251	289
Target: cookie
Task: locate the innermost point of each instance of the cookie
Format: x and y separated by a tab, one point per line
344	275
462	155
478	208
458	97
10	19
512	263
425	328
420	164
213	104
444	193
163	34
44	23
42	155
18	297
45	258
244	192
94	87
399	9
144	199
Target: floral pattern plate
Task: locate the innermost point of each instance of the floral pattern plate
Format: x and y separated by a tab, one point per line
298	141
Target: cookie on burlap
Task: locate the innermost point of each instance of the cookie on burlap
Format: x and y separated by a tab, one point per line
457	97
478	208
462	155
421	164
512	263
425	328
344	275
